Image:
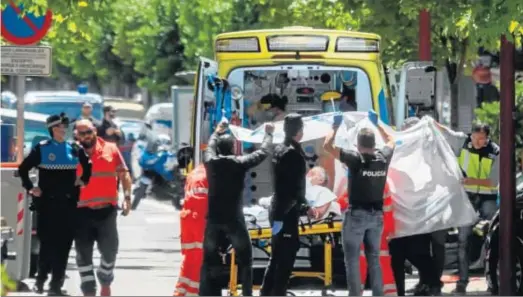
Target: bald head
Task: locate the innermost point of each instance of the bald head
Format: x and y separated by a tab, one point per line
84	124
86	133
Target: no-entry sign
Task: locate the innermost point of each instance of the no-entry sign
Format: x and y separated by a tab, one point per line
24	30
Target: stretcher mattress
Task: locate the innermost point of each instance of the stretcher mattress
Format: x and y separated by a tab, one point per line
257	217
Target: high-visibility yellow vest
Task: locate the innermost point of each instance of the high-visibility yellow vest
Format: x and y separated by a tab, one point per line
478	168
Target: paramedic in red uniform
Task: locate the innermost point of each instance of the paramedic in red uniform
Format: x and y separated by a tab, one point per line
97	210
363	222
192	225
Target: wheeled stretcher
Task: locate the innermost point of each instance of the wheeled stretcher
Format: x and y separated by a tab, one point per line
326	232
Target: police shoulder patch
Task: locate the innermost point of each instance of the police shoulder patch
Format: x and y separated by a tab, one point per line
44	142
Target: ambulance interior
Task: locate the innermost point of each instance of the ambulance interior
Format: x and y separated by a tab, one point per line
308	90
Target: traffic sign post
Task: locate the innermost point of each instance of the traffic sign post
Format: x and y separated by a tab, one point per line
23	29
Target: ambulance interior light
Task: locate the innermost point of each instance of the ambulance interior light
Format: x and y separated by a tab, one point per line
297	43
350	44
236	45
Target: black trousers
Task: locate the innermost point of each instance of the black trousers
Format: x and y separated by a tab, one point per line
56	224
437	242
284	247
416	249
212	267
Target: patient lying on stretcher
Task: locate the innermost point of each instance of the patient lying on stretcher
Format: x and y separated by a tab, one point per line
317	194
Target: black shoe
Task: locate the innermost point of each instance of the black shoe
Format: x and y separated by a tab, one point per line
435	291
421	290
460	290
38	288
56	292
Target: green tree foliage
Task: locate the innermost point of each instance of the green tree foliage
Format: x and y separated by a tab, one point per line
147	41
489	113
147	37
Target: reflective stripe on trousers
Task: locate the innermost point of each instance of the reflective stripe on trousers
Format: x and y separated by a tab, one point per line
97	200
104	174
383	253
192	245
195	192
183	292
390	290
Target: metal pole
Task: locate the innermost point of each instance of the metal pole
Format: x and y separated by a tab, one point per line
20	92
507	183
424	49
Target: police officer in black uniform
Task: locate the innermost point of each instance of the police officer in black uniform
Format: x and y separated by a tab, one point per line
55	199
287	204
363	222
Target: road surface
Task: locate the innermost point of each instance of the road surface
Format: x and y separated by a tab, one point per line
149	257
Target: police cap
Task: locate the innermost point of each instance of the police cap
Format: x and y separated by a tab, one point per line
55	120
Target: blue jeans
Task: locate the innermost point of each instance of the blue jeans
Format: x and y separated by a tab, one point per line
486	209
362	226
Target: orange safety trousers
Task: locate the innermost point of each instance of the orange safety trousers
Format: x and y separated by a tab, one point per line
192	229
389	283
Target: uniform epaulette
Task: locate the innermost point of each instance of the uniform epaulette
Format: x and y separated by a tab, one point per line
44	142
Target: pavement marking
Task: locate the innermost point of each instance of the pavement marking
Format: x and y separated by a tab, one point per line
161	219
164	206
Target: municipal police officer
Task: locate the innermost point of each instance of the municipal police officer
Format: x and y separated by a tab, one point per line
55	199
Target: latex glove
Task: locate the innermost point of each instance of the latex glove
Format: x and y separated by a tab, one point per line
337	120
373	117
276	227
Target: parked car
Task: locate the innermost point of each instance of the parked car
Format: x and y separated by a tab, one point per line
8	100
126	109
131	128
55	102
34	125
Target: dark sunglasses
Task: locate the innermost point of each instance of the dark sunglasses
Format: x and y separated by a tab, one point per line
86	132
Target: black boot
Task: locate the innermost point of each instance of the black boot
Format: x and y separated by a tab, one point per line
56	292
38	287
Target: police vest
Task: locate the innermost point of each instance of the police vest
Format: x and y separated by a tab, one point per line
367	183
58	155
478	165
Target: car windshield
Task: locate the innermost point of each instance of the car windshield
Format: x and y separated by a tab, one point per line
71	109
129	127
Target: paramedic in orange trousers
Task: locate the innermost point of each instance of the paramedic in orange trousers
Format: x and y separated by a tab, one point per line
389	284
97	210
192	229
363	221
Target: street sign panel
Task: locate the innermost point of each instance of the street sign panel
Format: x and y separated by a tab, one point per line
26	60
22	27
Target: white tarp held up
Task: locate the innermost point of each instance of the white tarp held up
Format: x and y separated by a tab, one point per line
425	177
